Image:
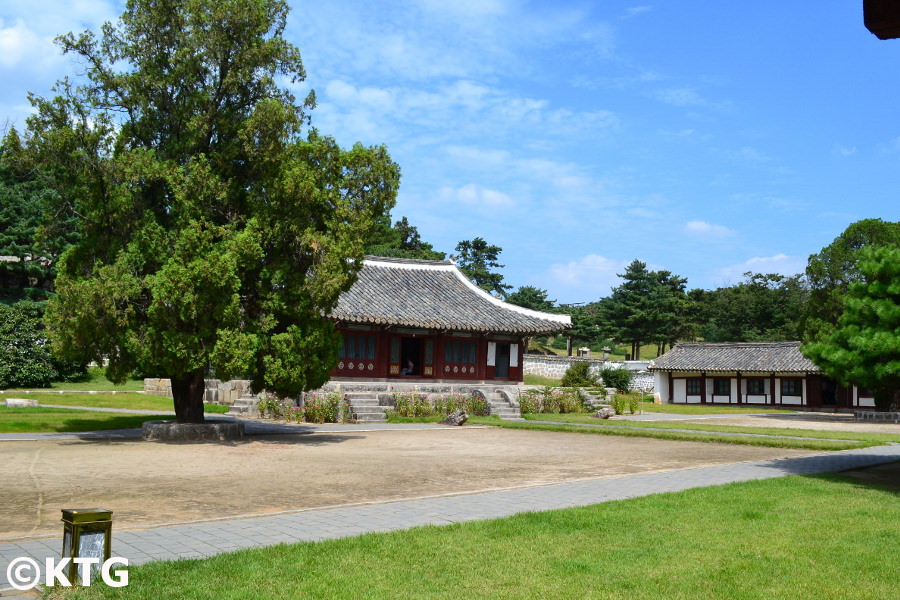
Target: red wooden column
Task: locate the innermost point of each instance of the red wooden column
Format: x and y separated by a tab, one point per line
739	387
481	358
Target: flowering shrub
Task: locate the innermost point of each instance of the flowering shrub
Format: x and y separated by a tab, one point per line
552	400
272	407
412	404
416	404
318	407
325	407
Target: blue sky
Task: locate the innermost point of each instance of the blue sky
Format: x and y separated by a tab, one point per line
705	138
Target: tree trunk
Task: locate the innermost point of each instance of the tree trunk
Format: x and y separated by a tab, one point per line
187	391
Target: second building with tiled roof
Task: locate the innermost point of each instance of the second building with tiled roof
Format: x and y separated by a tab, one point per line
425	321
755	373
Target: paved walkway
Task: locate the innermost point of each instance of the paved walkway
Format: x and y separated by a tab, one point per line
205	538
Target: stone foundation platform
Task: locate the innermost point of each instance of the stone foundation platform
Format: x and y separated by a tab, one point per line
874	415
172	431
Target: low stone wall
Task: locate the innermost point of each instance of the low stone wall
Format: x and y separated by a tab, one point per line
873	415
556	366
157	387
217	392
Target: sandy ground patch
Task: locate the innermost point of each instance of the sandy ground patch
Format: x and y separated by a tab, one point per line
148	483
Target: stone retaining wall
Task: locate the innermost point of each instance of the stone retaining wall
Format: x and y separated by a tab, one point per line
556	366
217	392
872	415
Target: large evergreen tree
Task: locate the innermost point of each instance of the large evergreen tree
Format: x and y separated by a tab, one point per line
832	270
31	238
477	259
645	308
531	297
215	232
402	240
761	308
863	348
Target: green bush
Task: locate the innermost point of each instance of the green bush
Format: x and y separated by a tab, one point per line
416	404
26	359
272	407
579	375
619	404
634	403
618	378
549	400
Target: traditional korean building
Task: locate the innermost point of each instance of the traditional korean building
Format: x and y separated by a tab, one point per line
757	373
424	321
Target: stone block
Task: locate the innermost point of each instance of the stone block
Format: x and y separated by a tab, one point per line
20	403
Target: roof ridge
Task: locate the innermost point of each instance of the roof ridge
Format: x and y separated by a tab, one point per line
391	260
740	344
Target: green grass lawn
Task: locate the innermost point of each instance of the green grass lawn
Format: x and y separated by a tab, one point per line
605	428
133	401
876	438
797	538
530	379
96	381
44	420
706	409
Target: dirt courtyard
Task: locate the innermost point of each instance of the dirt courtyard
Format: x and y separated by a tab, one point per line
151	483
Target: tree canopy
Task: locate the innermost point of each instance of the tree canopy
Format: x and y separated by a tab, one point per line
531	297
402	240
646	307
476	259
762	308
217	230
863	348
830	272
31	240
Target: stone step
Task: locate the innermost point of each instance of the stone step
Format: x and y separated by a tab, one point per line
365	409
369	417
364	402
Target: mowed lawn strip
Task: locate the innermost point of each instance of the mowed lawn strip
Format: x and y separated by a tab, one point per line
706	409
60	420
97	381
803	538
133	401
880	438
699	436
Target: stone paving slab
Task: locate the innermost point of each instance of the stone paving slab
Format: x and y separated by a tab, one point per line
206	538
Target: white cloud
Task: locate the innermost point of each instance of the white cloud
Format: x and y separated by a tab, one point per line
749	154
586	279
16	42
683	96
476	196
779	263
635	11
707	229
840	150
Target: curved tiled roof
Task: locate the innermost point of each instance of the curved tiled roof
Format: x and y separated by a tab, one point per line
746	357
435	295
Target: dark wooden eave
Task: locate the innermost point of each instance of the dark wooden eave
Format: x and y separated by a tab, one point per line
882	17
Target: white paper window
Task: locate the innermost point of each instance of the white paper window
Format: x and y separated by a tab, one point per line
513	355
492	354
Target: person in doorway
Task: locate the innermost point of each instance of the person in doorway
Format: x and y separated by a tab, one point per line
409	369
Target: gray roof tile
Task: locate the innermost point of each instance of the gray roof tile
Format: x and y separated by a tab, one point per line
435	295
746	357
